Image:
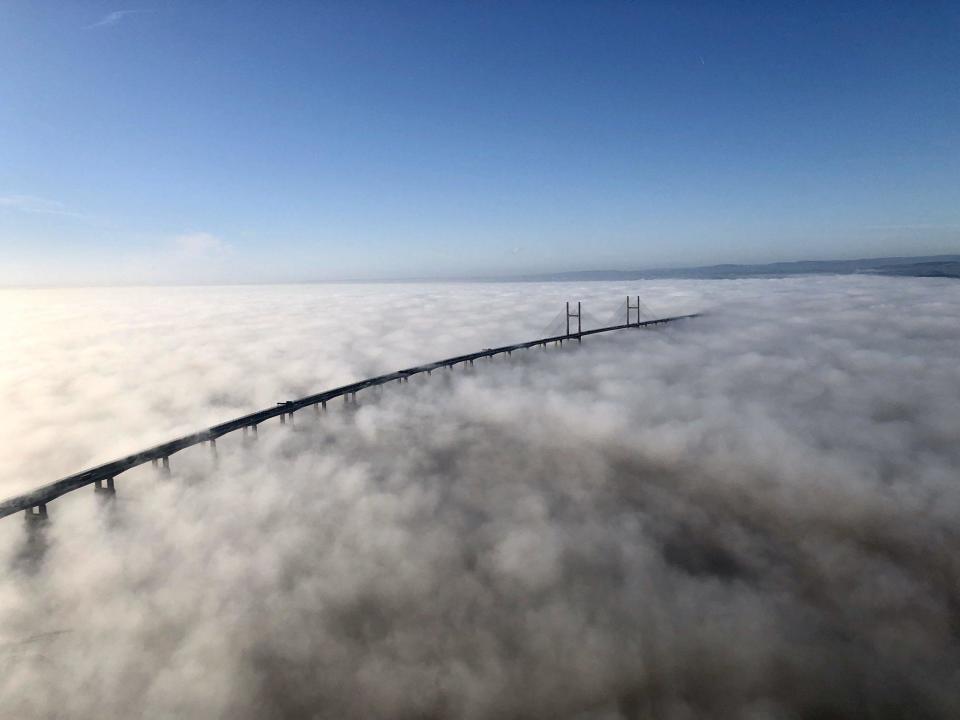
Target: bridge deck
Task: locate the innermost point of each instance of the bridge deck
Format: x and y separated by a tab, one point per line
107	471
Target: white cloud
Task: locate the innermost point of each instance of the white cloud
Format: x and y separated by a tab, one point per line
115	17
589	532
200	245
36	205
191	257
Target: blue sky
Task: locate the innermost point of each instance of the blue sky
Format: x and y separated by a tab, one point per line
219	142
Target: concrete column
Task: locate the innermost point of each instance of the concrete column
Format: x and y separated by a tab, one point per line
36	515
29	557
105	489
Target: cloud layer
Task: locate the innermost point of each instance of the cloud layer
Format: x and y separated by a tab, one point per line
749	515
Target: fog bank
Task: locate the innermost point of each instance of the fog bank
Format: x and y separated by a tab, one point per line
752	514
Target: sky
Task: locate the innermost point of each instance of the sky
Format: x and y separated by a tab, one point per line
181	142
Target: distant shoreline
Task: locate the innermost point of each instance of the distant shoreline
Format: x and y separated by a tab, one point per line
920	266
932	266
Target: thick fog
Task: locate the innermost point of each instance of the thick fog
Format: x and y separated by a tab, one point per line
752	514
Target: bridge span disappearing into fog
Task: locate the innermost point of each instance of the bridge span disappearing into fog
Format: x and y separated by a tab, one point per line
34	503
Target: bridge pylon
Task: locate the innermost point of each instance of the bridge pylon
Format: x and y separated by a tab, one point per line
577	316
633	307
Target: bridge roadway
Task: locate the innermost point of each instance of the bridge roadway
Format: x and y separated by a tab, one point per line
107	472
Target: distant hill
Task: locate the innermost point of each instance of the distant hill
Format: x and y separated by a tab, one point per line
932	268
924	266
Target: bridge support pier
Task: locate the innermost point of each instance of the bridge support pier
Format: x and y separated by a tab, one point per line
105	489
283	413
36	516
29	556
165	465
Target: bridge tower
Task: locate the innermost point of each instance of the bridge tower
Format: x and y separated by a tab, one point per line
577	316
633	307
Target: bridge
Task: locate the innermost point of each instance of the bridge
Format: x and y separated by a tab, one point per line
34	503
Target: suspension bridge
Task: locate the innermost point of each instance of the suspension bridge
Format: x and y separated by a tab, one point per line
102	477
